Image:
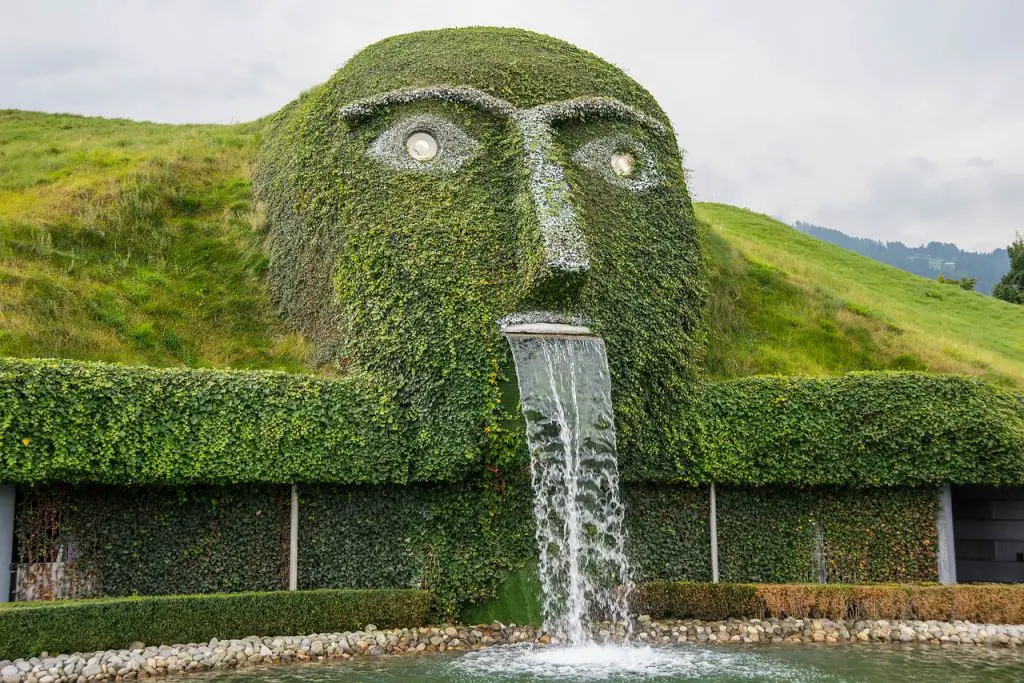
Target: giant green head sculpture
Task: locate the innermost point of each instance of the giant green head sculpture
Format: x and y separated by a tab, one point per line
445	181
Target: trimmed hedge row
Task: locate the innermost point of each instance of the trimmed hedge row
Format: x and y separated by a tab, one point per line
74	422
26	629
861	429
983	603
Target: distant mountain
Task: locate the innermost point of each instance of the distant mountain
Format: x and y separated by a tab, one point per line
930	260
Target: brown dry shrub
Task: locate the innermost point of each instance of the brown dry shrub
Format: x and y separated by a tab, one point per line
982	603
989	603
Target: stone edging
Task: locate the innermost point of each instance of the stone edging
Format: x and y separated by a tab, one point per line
141	661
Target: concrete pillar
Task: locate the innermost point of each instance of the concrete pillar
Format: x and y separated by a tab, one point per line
293	542
946	551
6	540
819	553
714	536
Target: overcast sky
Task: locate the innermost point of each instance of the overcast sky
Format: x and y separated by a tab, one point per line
891	119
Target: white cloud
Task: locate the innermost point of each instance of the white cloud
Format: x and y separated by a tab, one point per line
811	109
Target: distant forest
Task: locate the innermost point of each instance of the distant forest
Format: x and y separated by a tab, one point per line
930	260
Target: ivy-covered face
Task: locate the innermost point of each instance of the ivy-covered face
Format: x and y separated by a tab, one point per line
444	183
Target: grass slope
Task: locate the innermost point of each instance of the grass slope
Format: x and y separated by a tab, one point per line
782	301
139	243
133	242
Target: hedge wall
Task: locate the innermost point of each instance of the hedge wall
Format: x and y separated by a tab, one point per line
766	535
861	429
669	535
26	629
73	422
179	540
456	540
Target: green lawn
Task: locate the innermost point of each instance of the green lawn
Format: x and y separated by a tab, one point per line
782	301
133	242
139	243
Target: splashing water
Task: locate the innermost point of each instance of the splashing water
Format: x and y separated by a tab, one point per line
565	392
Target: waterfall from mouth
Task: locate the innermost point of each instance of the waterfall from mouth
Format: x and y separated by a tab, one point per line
565	392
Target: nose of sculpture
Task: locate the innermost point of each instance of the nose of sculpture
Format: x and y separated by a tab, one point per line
560	260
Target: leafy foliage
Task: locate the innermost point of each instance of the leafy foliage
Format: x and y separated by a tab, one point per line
780	535
862	429
766	534
462	540
156	541
455	540
1011	287
687	600
26	629
407	282
669	535
65	421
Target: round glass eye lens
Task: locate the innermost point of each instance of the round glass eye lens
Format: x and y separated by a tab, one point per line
421	146
623	163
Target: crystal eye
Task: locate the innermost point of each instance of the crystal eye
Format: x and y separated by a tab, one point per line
421	146
623	163
621	160
424	143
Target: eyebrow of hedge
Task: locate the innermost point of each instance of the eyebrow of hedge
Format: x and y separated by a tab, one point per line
548	112
462	94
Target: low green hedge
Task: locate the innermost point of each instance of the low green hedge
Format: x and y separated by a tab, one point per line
27	629
75	422
981	603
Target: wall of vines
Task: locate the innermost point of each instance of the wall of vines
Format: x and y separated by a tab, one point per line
149	541
74	422
453	540
669	532
776	535
459	540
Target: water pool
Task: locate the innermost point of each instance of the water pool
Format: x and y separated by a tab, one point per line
800	662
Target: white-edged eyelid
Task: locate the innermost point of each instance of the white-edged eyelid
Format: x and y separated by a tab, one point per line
597	156
454	146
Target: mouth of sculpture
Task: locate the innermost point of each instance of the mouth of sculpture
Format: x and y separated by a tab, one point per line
545	323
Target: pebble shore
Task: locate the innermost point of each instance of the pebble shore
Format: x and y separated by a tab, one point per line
142	661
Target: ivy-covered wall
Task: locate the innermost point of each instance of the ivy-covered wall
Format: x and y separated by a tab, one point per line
860	429
153	541
460	540
669	532
454	540
73	422
777	535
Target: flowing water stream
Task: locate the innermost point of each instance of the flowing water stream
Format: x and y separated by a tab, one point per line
566	398
565	391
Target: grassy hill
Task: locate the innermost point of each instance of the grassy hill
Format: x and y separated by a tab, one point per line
139	243
782	301
133	242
